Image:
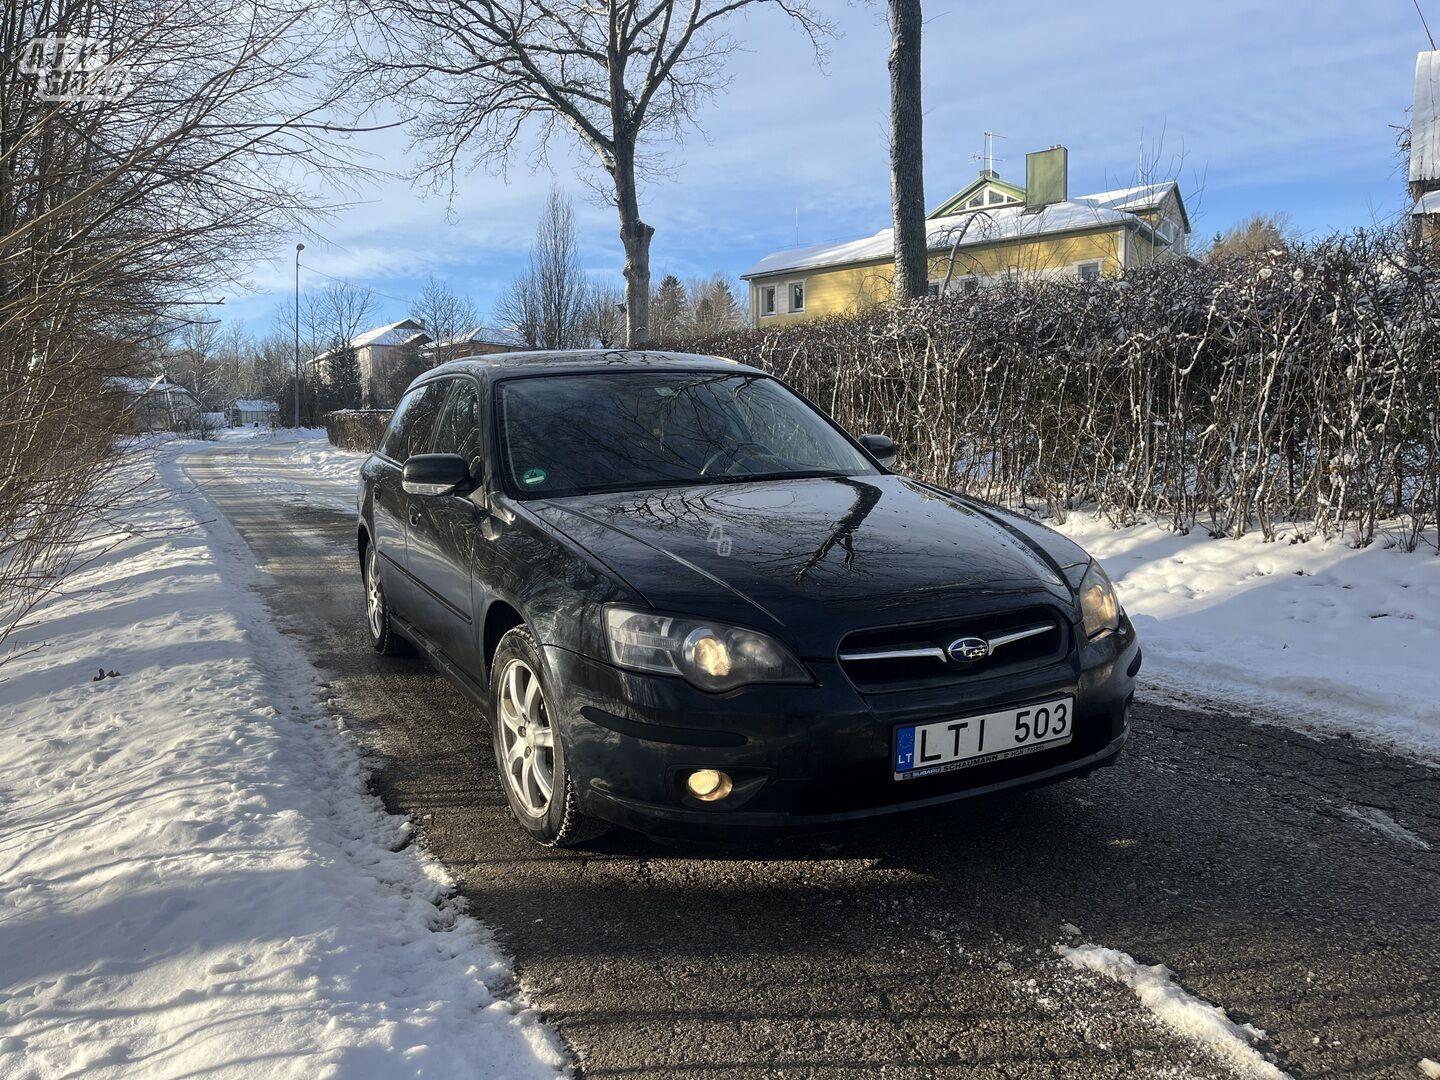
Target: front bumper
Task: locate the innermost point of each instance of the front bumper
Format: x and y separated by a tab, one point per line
804	756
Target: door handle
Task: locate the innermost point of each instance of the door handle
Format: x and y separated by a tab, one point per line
414	517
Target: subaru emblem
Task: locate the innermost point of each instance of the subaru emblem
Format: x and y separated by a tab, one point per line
967	650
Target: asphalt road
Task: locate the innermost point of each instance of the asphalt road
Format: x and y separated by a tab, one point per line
1238	854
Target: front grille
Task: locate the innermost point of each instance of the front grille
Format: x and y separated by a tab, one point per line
920	656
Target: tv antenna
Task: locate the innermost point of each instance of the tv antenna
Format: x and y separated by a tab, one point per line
988	157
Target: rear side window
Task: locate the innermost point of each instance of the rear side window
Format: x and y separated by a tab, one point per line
410	427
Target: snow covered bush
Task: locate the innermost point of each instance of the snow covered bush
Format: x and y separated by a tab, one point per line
1301	385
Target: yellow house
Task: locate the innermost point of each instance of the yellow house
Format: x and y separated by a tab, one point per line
989	230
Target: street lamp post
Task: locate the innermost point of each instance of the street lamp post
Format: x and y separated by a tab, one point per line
298	248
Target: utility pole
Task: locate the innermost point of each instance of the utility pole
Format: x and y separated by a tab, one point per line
298	248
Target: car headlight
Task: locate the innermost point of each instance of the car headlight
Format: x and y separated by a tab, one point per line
1098	604
713	656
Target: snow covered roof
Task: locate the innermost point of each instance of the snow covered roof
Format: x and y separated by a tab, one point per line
131	384
254	405
975	227
1425	120
1429	203
482	335
397	333
404	332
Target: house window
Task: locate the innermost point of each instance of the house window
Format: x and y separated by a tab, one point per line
1088	271
978	200
933	289
996	197
767	300
797	296
970	284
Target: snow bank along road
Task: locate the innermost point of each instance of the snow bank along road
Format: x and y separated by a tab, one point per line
194	880
1289	881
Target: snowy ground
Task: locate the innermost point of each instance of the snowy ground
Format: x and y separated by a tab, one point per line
194	879
1320	635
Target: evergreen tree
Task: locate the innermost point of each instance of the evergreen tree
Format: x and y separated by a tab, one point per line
343	378
669	309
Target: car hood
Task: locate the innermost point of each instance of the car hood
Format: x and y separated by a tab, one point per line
811	558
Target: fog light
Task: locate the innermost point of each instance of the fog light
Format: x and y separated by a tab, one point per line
709	785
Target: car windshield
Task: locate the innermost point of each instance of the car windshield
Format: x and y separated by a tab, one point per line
577	434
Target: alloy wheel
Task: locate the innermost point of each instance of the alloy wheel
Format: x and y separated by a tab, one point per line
374	598
526	737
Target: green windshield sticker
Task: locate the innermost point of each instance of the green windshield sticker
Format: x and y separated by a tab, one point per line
533	477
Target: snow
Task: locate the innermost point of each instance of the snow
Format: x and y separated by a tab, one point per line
1430	1068
1429	203
397	333
1319	634
196	879
1139	197
133	385
1185	1014
1375	818
255	405
1425	120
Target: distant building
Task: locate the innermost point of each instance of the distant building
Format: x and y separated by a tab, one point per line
152	404
476	341
380	352
1425	146
988	230
251	412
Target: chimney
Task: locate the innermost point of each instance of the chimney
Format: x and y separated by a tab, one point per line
1046	178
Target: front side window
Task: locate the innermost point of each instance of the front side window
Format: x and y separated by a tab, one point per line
767	300
578	434
797	296
412	421
458	430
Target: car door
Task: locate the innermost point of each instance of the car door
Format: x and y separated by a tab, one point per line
444	533
410	426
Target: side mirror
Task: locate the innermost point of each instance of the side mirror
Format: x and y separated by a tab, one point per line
435	474
880	447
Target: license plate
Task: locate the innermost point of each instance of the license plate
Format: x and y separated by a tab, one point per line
927	749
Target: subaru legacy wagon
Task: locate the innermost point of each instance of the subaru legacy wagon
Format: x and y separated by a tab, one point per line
689	603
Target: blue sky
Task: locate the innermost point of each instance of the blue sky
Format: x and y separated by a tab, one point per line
1253	106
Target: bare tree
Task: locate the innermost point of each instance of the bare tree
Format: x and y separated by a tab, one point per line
547	302
443	313
127	191
339	312
610	71
604	320
907	153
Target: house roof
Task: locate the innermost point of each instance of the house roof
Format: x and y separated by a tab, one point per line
140	386
975	227
397	333
254	405
404	332
986	179
481	335
1138	199
1425	120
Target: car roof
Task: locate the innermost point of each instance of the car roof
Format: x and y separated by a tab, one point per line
584	361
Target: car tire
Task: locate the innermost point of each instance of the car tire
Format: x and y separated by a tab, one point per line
383	636
529	750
